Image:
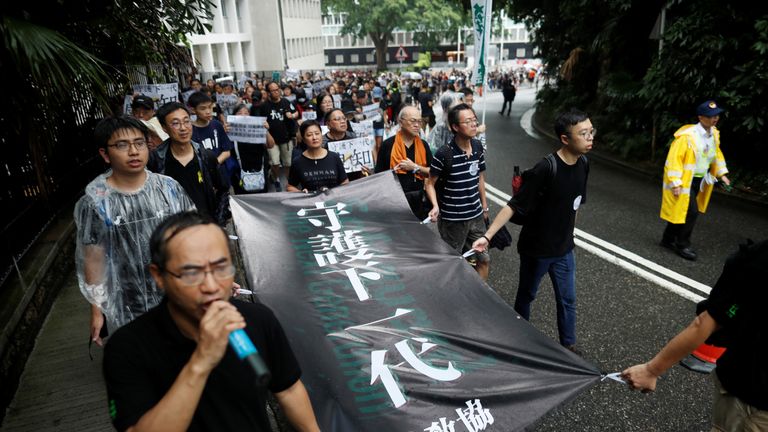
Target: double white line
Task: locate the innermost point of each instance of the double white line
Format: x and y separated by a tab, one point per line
660	275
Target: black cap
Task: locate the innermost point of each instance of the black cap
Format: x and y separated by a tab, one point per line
143	102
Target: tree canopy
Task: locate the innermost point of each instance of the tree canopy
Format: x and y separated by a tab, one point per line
430	20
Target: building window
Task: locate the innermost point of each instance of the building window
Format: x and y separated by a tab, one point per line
520	53
339	58
387	58
326	59
354	58
369	58
415	56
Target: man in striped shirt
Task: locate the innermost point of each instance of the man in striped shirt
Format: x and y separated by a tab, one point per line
456	187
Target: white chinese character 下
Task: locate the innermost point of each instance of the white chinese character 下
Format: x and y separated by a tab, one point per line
475	417
332	213
441	426
352	247
380	370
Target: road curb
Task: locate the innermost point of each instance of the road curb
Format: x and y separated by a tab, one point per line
729	197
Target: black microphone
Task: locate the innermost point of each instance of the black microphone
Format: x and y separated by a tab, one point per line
245	350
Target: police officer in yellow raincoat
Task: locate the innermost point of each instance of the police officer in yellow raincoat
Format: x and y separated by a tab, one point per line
694	163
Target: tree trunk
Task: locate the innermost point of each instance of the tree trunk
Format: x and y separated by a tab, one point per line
380	41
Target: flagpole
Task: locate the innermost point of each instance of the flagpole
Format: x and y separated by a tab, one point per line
486	39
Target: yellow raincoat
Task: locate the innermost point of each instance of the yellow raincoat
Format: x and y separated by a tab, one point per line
678	171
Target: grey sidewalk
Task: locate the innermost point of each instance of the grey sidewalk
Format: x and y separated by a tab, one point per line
61	389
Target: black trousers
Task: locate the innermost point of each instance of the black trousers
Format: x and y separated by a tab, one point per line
680	234
507	102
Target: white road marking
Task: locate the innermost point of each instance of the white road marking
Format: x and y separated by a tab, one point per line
583	240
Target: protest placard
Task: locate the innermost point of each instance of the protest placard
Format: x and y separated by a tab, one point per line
247	129
363	128
127	110
160	93
336	101
309	115
372	112
227	103
185	96
354	152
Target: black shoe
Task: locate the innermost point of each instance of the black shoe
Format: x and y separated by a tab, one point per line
669	245
687	253
573	349
501	112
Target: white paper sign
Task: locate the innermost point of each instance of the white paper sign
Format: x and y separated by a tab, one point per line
324	129
291	98
354	153
186	95
227	103
309	115
160	93
336	101
372	112
127	110
247	129
308	92
363	128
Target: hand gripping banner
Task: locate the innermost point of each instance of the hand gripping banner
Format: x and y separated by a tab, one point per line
394	331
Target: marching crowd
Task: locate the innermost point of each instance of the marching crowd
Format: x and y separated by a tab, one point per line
153	259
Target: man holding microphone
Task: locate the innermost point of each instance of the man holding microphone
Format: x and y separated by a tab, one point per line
170	369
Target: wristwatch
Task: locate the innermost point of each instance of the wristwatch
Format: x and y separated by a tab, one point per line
416	170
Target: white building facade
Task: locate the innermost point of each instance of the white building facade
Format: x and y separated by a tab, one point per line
247	36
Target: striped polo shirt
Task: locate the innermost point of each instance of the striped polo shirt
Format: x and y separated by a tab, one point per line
461	199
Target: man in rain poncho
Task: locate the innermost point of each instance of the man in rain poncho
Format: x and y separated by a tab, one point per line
115	219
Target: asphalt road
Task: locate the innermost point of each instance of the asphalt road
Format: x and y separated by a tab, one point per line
623	319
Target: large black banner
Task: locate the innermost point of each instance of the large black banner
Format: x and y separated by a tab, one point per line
393	329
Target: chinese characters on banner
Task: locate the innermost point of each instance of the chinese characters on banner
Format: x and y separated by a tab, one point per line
247	129
354	153
393	330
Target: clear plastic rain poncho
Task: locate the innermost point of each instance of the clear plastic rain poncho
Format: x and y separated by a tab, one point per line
112	244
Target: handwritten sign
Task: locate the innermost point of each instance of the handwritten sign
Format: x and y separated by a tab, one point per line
336	101
247	129
227	103
363	128
371	112
354	153
160	93
320	86
309	115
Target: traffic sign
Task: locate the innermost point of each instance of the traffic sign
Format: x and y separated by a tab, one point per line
401	54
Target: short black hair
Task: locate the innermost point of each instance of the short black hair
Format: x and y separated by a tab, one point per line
109	125
198	98
169	228
567	119
453	114
306	125
330	113
168	108
466	91
193	80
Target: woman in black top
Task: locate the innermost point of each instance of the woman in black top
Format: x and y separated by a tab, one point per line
317	169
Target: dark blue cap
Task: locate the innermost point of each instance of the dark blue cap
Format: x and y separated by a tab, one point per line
709	109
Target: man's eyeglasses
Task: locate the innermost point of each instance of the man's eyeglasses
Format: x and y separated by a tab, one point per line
587	133
412	121
139	144
192	277
470	122
178	124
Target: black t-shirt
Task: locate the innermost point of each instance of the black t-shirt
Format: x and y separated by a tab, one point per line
143	359
316	174
550	206
191	179
251	156
408	181
424	99
281	127
737	302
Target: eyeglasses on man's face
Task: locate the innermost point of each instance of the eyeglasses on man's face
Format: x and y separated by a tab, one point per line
176	124
470	122
412	121
196	276
587	133
123	146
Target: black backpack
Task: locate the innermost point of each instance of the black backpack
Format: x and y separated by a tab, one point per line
519	218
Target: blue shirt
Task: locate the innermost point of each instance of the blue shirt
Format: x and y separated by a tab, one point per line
461	198
214	138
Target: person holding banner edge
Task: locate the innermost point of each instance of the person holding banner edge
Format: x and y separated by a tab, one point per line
171	370
317	168
549	200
